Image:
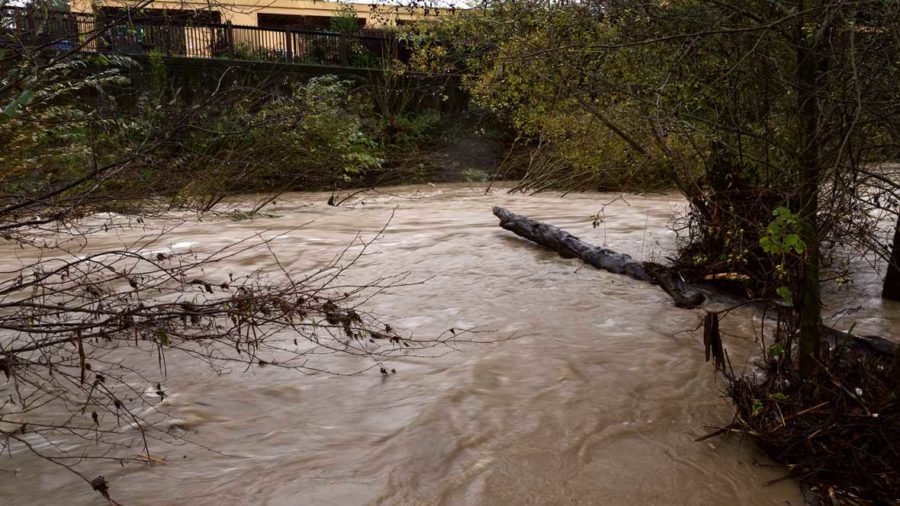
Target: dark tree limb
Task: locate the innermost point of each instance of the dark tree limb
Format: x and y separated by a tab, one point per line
568	245
666	278
892	278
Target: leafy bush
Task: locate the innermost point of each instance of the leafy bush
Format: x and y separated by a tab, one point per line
321	134
42	126
311	138
344	19
408	130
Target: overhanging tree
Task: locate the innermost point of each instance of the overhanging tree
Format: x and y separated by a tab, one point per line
773	118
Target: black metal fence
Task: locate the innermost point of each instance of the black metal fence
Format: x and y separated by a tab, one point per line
63	30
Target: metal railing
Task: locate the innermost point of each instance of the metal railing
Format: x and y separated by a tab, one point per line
62	30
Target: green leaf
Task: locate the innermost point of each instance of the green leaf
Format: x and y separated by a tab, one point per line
776	350
786	295
758	408
794	241
778	396
23	99
162	337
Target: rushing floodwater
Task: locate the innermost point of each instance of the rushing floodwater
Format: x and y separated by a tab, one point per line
598	400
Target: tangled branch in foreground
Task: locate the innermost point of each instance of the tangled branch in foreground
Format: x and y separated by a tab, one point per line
67	323
836	431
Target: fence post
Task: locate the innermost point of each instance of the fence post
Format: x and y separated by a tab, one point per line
289	44
343	49
229	38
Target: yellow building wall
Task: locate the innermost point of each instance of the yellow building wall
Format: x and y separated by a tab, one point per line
243	12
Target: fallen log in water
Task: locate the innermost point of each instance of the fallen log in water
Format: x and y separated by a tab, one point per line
570	246
668	279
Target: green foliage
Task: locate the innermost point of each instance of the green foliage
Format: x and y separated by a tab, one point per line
359	56
45	131
779	396
758	407
22	100
158	74
780	239
786	295
782	235
474	175
344	19
776	351
545	98
313	137
321	134
408	130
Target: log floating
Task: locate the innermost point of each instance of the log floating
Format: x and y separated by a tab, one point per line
568	245
666	278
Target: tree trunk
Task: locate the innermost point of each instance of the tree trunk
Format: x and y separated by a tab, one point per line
892	279
894	373
810	306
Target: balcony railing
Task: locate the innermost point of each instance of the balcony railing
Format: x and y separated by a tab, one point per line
62	30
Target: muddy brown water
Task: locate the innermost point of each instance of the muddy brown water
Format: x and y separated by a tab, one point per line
598	400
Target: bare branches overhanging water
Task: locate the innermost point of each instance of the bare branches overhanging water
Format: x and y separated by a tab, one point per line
76	334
